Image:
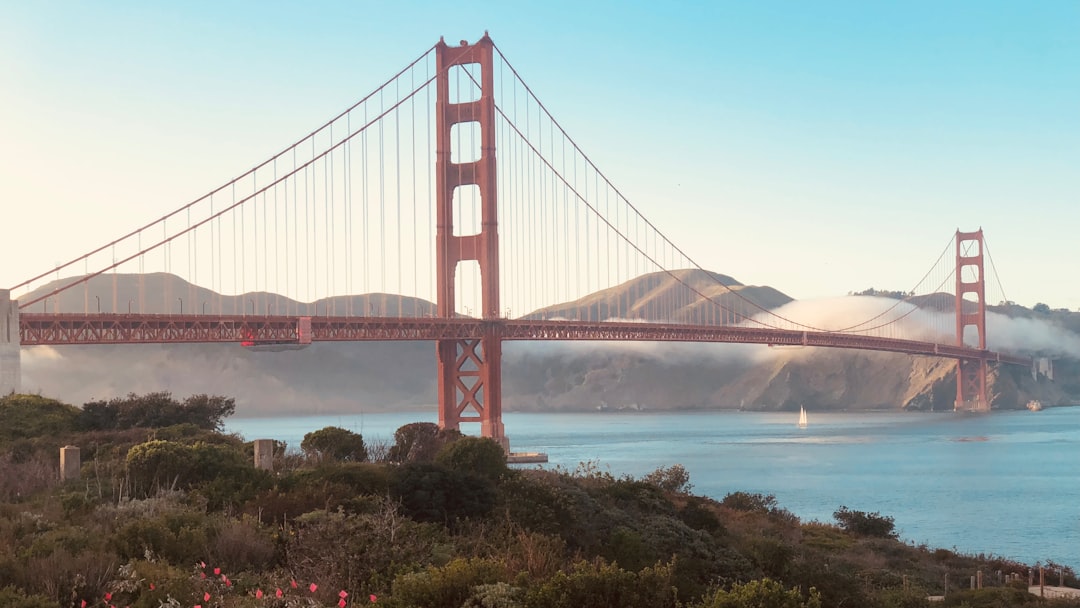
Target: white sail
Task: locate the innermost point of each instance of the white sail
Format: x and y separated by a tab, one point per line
802	417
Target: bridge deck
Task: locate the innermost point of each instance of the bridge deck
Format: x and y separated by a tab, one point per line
40	329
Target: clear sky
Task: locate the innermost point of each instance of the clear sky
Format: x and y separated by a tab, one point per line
818	147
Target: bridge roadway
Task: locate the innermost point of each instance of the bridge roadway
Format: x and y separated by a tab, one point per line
103	328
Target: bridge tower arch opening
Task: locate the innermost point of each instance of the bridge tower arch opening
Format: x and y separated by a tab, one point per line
971	374
10	363
469	370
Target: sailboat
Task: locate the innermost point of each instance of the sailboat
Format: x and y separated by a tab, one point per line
802	417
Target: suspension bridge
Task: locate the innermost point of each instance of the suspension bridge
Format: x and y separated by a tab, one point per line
463	213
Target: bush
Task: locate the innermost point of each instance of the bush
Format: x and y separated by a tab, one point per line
601	585
156	410
672	479
449	586
10	597
159	464
480	455
764	593
420	442
746	501
431	493
33	416
335	443
860	523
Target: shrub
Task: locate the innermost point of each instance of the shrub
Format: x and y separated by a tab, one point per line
420	442
431	493
32	416
601	585
449	586
752	502
480	455
10	597
335	443
764	593
671	479
861	523
159	464
156	410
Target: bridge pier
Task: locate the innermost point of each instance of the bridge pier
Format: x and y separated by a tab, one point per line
10	362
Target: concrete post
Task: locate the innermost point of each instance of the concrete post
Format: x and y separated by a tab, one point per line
10	369
70	463
264	454
973	582
978	579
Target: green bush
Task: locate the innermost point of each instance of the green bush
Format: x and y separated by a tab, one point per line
671	479
763	593
156	410
10	597
860	523
335	443
420	442
449	586
159	464
33	416
746	501
602	585
480	455
431	493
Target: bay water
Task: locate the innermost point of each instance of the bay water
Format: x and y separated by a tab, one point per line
1006	483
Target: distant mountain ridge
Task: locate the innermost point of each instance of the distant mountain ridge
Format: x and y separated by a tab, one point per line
350	377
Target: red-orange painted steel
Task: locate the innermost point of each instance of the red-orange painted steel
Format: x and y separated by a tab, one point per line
971	375
469	370
104	328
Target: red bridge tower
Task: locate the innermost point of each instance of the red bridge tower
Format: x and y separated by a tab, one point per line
971	374
470	370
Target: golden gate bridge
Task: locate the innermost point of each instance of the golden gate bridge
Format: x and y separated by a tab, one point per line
465	214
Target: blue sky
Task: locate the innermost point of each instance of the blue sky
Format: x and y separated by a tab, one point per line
816	147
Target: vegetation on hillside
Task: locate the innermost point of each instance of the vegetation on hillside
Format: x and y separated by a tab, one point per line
169	511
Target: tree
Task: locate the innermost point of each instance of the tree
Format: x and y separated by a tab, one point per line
480	455
1041	308
335	443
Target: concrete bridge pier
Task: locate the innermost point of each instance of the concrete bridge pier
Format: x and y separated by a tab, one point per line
10	368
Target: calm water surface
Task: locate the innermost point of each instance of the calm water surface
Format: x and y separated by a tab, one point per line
1006	483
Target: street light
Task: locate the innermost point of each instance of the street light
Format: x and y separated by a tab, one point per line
98	298
181	300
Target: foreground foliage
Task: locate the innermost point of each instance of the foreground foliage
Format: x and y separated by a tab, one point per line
176	515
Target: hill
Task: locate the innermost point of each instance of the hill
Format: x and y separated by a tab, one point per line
346	377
